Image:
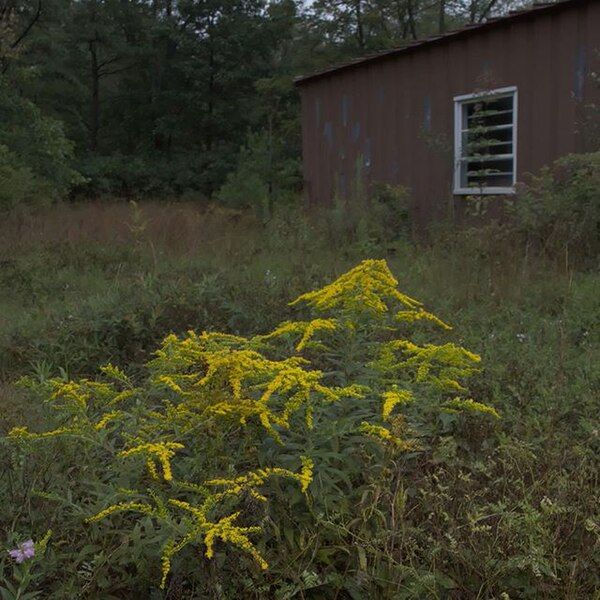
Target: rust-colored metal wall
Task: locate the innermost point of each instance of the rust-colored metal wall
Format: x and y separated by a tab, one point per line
394	116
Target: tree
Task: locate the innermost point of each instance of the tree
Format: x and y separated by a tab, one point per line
17	20
35	156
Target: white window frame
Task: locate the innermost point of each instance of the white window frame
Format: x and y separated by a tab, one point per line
459	102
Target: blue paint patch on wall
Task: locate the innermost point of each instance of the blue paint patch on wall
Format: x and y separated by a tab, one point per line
427	113
579	73
345	109
328	132
356	131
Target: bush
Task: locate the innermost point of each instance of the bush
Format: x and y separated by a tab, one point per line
148	175
391	211
18	182
370	218
264	177
184	459
559	210
35	156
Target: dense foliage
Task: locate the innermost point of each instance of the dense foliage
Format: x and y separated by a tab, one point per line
559	209
35	156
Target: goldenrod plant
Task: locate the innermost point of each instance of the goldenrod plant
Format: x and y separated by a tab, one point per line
183	449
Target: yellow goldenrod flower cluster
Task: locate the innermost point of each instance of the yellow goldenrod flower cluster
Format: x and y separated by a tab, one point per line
412	316
209	532
116	374
162	452
22	433
369	287
250	481
240	383
305	329
385	435
200	528
84	403
237	536
440	366
122	507
393	398
306	473
108	418
470	405
79	396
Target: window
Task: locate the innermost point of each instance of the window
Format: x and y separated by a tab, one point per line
485	142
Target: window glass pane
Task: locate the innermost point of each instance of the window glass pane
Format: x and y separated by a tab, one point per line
486	140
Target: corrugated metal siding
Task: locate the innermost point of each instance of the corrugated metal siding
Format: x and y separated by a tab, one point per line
395	117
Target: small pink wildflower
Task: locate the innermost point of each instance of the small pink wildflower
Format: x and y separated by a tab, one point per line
23	552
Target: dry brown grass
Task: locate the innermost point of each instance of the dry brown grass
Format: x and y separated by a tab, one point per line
180	228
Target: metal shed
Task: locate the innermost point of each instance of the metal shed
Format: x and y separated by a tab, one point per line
410	116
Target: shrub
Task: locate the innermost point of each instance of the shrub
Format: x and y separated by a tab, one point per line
391	210
18	182
188	456
35	156
263	178
559	209
146	175
370	215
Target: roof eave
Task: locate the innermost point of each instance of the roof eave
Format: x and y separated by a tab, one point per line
438	39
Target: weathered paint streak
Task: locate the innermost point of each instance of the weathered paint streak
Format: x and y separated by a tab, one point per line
427	113
580	72
345	108
367	156
328	132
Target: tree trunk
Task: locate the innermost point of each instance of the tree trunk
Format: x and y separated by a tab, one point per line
360	33
271	199
210	108
411	19
473	11
442	17
95	97
402	20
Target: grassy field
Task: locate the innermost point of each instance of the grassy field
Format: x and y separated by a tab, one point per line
499	510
